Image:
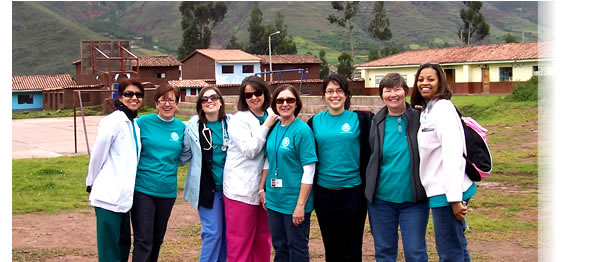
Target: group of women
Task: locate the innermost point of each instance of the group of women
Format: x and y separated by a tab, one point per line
256	176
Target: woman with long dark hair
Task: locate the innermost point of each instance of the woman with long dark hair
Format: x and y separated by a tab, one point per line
206	142
442	165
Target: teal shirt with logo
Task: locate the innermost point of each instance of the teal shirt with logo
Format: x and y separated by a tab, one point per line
157	171
289	148
338	148
394	181
219	156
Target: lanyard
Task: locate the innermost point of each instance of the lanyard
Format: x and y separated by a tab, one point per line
278	144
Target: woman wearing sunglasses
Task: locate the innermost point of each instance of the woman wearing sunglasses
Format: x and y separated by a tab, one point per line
286	183
206	142
343	152
156	183
247	231
112	170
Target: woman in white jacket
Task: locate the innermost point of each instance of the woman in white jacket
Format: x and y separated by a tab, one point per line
247	230
112	170
442	166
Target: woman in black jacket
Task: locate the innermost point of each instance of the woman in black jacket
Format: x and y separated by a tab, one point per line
396	198
341	137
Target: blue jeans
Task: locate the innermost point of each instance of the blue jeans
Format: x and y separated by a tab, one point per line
289	241
449	235
213	231
411	218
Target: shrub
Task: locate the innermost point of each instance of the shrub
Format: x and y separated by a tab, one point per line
527	91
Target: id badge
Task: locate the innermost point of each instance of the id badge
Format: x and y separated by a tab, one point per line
276	182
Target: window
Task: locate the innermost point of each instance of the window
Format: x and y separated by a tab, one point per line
505	74
247	69
25	99
160	75
537	71
227	69
378	80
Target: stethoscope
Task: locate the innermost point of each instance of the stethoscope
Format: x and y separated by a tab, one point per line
209	139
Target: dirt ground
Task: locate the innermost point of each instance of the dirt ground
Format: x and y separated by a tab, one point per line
73	235
70	236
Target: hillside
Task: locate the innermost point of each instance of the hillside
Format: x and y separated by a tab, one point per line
46	35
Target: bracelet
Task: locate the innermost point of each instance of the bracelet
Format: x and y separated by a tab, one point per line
261	191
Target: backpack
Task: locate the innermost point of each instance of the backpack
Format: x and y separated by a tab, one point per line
478	158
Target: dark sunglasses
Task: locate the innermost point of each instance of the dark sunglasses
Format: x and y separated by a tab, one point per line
205	99
257	93
130	94
289	100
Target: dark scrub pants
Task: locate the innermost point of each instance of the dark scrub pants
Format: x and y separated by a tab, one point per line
113	235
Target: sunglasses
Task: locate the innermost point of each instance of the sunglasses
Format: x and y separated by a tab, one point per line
205	99
289	100
130	94
257	93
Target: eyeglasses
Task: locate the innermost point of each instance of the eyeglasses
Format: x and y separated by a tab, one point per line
330	92
257	93
289	100
205	99
164	101
130	94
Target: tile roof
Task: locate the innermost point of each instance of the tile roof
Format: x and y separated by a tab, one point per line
156	61
483	53
189	83
222	55
93	86
290	59
40	82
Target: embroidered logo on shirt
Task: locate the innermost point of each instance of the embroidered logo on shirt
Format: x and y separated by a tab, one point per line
174	136
346	128
285	143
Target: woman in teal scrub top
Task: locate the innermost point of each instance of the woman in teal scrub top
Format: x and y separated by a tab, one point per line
343	152
291	156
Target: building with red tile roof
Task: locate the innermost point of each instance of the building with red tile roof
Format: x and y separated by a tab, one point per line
469	69
310	64
27	90
226	66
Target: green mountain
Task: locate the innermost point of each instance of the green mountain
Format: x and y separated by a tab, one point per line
46	35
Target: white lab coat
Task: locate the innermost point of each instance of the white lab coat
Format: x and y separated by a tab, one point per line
113	163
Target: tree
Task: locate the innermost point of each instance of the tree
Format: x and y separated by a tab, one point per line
474	24
348	13
345	65
198	21
234	44
379	25
325	66
510	38
373	54
281	43
258	43
257	40
387	51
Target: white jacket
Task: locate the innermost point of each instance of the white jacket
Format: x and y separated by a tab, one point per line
441	144
113	163
245	157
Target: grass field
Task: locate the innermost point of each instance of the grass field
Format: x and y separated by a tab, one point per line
504	212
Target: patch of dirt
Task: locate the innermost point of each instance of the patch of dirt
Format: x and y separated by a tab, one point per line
504	251
76	230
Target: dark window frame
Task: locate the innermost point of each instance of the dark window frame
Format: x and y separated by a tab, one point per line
245	67
224	67
505	74
26	99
